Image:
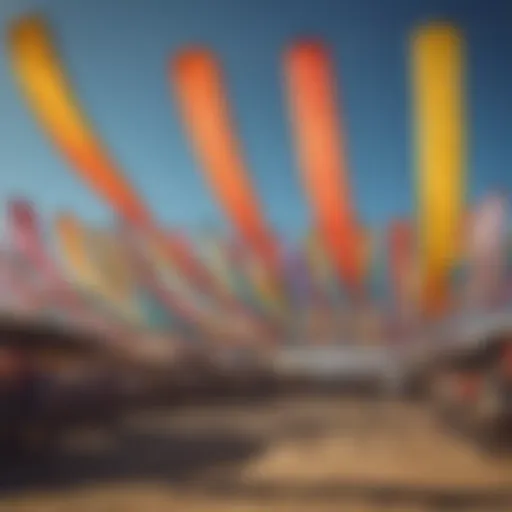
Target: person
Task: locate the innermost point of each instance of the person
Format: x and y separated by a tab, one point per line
7	395
18	397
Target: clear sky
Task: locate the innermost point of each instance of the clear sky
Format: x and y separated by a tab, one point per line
116	53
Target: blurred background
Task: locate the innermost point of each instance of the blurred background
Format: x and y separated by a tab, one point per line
235	234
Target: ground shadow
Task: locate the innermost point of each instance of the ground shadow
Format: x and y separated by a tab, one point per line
340	491
207	462
171	458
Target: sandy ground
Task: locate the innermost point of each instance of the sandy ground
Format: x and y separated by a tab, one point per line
290	455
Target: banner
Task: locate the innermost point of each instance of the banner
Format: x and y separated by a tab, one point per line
437	55
44	83
55	297
113	271
486	253
146	272
17	295
75	241
321	268
199	87
400	244
237	256
72	242
377	278
321	154
39	271
25	235
224	299
264	285
215	256
296	271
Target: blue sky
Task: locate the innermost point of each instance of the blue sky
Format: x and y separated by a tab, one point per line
116	54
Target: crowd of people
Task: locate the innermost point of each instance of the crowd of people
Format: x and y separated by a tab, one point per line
42	391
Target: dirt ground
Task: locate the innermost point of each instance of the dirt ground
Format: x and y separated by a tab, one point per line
329	454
